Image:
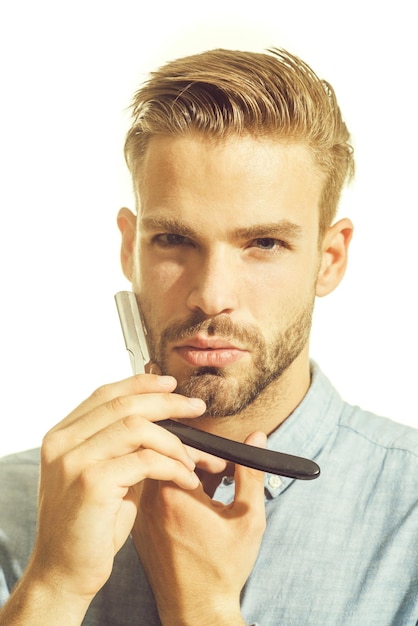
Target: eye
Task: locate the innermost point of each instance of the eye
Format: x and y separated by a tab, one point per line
268	243
171	240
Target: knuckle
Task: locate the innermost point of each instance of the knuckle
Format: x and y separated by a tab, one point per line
173	403
68	465
52	444
117	405
131	423
88	478
168	403
102	393
61	465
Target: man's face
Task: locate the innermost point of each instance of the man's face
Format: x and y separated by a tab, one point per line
226	262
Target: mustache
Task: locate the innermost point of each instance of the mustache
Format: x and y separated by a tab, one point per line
221	326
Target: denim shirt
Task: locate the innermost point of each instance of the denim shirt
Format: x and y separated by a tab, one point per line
341	549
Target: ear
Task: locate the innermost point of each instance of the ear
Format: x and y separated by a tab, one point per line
334	256
127	227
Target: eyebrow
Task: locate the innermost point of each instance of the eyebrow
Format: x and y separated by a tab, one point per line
283	229
166	225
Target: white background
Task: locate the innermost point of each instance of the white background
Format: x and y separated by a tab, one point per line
68	70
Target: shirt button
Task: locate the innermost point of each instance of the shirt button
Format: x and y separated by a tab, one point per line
275	482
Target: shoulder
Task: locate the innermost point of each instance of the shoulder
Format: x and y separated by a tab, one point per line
379	431
380	457
354	442
355	423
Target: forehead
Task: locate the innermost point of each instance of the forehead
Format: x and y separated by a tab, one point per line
243	179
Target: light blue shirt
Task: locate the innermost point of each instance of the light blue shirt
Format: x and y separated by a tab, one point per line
338	550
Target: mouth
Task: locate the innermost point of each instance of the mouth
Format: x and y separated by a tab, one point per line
200	351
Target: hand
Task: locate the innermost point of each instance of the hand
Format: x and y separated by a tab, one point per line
91	465
198	553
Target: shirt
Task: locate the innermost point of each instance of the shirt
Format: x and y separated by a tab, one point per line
341	549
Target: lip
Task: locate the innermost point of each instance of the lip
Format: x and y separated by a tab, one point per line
200	351
200	342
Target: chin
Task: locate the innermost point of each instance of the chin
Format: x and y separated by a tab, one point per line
223	394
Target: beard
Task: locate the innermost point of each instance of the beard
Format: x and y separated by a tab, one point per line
229	390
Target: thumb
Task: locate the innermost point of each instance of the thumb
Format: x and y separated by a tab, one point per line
258	439
249	482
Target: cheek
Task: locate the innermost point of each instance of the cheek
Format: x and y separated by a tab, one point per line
279	296
162	286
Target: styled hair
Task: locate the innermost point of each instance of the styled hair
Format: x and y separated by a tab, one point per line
224	93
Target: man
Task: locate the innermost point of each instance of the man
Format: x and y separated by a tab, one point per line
238	161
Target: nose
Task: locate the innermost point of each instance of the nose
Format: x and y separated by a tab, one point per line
214	284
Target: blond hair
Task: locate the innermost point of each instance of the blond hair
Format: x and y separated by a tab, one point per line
224	92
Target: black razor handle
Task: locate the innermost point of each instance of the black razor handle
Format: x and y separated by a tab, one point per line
269	461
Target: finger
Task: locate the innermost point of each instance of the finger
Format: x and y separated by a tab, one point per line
249	482
140	384
206	461
148	407
129	435
151	407
111	480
